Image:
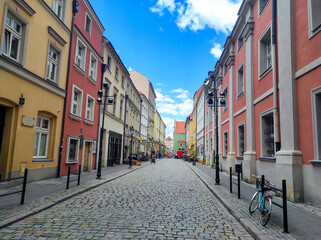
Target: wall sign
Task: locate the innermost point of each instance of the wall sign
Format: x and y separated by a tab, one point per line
27	121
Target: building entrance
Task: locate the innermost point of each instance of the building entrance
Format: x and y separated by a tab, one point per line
114	148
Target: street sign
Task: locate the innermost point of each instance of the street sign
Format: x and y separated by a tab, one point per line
140	138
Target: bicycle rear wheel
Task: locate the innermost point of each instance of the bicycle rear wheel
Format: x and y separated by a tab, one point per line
266	211
254	203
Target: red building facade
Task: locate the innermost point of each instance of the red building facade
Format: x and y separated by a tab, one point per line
270	72
81	119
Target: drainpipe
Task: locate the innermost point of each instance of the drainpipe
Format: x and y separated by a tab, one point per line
74	11
204	127
275	87
124	132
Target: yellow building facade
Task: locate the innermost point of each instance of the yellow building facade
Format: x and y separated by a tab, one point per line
35	38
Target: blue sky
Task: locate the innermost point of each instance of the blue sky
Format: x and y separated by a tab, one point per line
172	42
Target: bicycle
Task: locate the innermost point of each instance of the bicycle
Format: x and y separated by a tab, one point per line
261	200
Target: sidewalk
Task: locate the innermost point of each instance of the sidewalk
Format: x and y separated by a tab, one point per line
304	221
41	195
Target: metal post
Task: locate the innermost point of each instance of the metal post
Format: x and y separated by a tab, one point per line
68	178
230	179
24	186
262	184
285	207
102	136
217	172
238	184
79	172
242	171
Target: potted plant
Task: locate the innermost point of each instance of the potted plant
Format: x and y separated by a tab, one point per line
203	162
213	165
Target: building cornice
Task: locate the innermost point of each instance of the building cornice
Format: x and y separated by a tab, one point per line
56	36
248	29
26	7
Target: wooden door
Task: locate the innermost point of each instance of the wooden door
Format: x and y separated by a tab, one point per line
86	155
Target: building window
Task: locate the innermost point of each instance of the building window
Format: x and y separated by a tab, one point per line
316	120
108	63
262	4
80	54
12	38
211	144
88	24
314	16
121	109
40	148
265	57
90	108
226	99
240	135
225	69
116	72
115	99
76	103
53	64
267	135
93	68
73	149
225	144
240	81
122	80
58	8
240	42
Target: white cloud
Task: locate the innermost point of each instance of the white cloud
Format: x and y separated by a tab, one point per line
159	84
216	51
130	68
186	107
183	94
162	4
161	98
198	14
161	29
167	108
169	122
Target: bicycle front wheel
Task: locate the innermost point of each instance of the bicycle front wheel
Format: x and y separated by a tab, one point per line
265	212
254	203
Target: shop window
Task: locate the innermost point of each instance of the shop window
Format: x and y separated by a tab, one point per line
73	150
241	137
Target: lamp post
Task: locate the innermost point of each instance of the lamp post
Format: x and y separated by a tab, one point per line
108	101
131	145
213	102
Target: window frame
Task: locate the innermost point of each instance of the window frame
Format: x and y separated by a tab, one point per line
315	127
63	12
68	150
72	100
92	108
261	7
226	98
240	93
262	140
90	27
94	78
116	73
239	126
312	30
42	131
225	143
57	79
109	60
265	37
83	63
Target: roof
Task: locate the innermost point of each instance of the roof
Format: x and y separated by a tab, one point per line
181	140
197	93
179	127
168	139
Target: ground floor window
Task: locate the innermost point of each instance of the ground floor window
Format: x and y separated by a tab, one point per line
316	111
267	135
240	135
225	144
40	148
73	150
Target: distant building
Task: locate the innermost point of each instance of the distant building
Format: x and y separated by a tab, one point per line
169	145
179	136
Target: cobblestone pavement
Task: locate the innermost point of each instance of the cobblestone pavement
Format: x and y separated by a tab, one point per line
160	201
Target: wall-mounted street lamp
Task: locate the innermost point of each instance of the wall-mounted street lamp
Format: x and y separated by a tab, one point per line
212	101
108	100
132	130
21	100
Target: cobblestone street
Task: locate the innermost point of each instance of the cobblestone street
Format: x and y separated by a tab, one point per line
165	200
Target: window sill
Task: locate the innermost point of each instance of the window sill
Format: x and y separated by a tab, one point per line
75	162
89	122
42	160
265	73
267	159
315	31
116	79
79	69
75	117
240	95
316	162
92	80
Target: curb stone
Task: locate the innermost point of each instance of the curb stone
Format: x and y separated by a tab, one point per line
250	227
16	218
